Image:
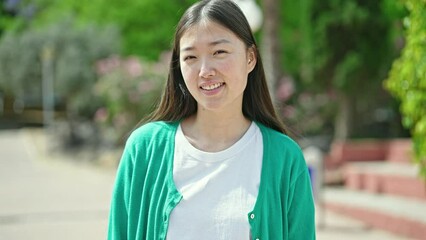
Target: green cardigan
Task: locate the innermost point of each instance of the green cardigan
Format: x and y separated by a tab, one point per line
144	194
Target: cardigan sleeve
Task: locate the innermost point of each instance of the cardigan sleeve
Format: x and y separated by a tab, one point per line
301	213
119	211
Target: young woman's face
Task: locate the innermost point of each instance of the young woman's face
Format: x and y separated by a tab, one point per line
215	65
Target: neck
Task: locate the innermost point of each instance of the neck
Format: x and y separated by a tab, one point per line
214	131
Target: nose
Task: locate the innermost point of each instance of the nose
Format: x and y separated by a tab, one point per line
206	69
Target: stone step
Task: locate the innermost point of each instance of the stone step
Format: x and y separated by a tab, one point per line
399	215
393	178
400	150
393	150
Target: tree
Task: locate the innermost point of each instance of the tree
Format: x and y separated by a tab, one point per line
146	26
343	47
407	78
74	51
271	44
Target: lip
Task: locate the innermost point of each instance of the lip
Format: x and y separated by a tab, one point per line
211	91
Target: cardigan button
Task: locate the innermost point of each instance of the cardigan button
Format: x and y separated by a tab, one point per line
252	217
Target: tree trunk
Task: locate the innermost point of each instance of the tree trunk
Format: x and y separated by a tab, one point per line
307	63
271	45
343	118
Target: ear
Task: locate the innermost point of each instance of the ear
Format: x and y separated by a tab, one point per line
251	58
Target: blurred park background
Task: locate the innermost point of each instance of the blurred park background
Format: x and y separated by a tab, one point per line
347	76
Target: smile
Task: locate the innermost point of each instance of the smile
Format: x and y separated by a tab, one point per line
212	86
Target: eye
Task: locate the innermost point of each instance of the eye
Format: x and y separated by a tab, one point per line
189	57
220	52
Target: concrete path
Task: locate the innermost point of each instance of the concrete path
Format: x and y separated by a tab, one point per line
46	197
338	227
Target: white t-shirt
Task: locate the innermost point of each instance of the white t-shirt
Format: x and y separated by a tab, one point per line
219	189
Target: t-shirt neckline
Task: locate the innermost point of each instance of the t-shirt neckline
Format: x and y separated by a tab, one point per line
183	143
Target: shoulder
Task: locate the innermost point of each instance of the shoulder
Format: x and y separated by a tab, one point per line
278	140
282	152
152	131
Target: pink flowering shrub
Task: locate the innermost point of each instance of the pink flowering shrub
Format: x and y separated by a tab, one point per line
129	89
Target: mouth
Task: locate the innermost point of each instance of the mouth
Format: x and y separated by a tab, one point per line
211	87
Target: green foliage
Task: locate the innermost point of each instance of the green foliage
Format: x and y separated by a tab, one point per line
16	15
74	52
5	19
343	47
146	26
352	44
128	89
407	78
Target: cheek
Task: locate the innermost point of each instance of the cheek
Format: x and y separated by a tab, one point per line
234	69
226	66
233	64
185	72
189	75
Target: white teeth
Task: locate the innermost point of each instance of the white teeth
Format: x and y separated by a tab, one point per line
211	87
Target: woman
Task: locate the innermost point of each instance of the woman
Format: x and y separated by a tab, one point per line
213	161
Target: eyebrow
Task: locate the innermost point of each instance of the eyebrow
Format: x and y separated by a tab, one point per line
214	43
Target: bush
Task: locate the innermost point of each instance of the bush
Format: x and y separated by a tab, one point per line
129	89
407	79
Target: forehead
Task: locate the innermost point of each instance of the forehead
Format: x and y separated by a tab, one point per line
206	32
